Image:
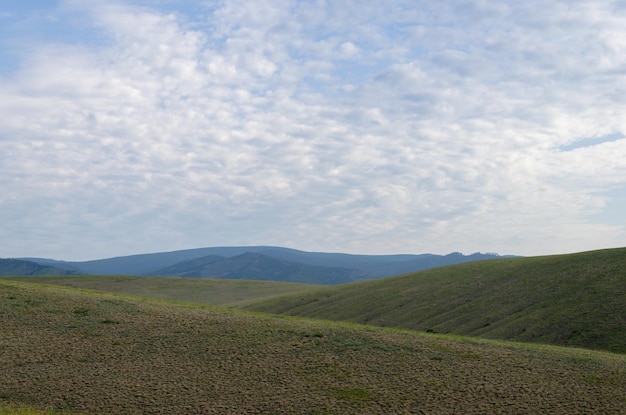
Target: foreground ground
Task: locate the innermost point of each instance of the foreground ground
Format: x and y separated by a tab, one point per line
79	352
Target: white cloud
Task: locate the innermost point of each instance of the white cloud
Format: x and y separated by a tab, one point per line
343	126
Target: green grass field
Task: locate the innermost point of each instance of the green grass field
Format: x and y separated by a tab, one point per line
192	290
571	300
65	350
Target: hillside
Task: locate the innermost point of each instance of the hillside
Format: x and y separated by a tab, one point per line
23	267
572	300
192	290
74	351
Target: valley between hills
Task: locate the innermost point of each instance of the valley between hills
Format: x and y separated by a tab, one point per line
506	335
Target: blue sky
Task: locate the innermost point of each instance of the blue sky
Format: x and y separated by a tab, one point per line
339	126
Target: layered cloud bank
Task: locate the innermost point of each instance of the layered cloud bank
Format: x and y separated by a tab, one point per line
403	126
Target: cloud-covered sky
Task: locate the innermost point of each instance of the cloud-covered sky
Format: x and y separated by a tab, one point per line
338	126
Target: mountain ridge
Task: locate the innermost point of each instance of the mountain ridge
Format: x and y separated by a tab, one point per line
355	266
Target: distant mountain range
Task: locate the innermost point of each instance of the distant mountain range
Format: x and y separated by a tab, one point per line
22	267
251	262
254	266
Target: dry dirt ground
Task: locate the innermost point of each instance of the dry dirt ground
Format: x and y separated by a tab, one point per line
89	353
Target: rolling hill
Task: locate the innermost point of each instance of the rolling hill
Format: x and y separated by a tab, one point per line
571	300
70	351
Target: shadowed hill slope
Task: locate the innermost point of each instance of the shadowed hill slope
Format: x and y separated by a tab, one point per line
12	266
574	300
83	352
254	266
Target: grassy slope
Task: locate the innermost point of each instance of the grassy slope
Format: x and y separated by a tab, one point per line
200	291
85	352
574	300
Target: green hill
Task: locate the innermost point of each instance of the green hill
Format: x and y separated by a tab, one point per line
573	300
72	351
192	290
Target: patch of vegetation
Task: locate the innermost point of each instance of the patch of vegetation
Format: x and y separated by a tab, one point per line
165	358
11	409
355	395
570	300
82	311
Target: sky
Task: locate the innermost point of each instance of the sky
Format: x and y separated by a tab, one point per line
355	126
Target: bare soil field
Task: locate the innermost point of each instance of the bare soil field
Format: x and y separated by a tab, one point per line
78	352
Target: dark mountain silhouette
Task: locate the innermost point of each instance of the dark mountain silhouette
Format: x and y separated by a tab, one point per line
189	268
254	266
22	267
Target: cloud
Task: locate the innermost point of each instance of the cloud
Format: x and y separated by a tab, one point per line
344	126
